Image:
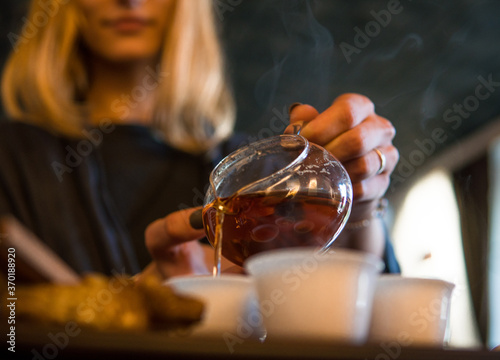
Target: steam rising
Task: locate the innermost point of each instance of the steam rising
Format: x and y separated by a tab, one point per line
302	57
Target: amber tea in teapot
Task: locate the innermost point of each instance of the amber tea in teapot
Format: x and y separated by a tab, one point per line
278	192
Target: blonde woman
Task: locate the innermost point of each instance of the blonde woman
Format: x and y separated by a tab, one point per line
119	109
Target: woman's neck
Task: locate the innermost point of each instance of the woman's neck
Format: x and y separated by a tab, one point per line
122	93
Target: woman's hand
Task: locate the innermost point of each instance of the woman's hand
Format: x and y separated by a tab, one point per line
173	244
352	131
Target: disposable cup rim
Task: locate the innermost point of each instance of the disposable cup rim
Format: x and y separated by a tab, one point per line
220	279
415	280
252	268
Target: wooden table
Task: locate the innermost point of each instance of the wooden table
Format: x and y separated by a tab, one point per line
38	342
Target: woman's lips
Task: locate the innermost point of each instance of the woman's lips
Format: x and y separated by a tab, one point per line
129	24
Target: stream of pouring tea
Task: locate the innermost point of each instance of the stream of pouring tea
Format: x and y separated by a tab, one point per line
220	206
219	221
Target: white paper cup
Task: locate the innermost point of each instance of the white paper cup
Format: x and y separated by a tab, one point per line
411	311
310	296
231	310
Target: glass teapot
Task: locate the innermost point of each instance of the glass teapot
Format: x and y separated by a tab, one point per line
282	191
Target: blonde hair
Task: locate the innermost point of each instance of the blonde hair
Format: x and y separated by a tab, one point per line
45	79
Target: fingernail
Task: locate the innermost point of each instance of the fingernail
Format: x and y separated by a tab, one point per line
294	129
196	219
291	107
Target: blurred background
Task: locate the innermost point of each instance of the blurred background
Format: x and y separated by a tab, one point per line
433	69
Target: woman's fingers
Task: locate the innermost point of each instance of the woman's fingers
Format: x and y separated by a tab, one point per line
370	188
173	229
359	138
373	132
300	114
170	243
369	165
346	112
